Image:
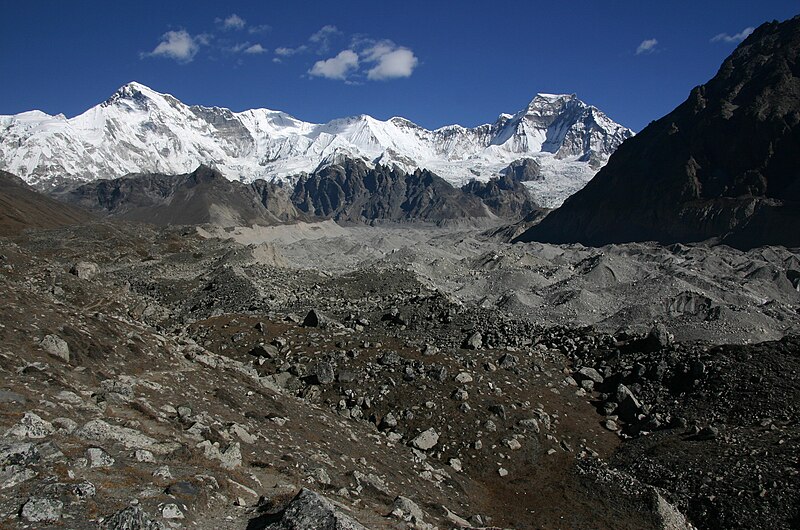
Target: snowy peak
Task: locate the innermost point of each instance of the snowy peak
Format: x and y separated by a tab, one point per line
138	129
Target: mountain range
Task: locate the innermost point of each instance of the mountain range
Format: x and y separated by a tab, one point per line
558	141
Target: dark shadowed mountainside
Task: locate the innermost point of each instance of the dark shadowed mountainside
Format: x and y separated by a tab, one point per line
505	196
725	164
203	196
348	191
353	192
23	207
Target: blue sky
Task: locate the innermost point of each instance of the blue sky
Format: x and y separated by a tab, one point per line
433	62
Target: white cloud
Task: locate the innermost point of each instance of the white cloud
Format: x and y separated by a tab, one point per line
647	46
255	49
233	22
390	61
338	67
739	37
178	45
394	64
376	50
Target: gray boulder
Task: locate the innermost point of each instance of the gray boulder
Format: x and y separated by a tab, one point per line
309	510
85	270
56	346
426	440
130	518
41	510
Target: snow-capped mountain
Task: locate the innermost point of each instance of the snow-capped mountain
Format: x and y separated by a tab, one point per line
140	130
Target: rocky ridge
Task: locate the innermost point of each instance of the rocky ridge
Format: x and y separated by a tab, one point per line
722	165
349	191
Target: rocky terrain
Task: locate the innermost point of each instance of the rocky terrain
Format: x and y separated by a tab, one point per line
247	378
721	165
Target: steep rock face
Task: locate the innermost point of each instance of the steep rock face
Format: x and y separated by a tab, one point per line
724	164
504	196
523	170
354	192
139	130
23	207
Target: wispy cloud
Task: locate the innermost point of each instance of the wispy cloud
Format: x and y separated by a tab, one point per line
234	21
322	38
647	46
338	67
318	42
261	28
246	47
183	46
178	45
255	49
288	52
737	38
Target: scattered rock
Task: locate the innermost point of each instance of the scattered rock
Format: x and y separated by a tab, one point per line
463	378
31	426
591	374
98	458
41	510
56	346
426	440
316	319
85	270
474	341
171	511
130	518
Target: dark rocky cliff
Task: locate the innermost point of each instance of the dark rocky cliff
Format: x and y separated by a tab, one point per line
725	164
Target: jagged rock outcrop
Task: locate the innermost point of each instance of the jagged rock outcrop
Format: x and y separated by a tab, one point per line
524	170
353	192
724	164
505	196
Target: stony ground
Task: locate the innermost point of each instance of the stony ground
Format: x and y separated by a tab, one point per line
381	377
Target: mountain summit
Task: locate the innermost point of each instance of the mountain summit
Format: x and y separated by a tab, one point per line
140	130
725	164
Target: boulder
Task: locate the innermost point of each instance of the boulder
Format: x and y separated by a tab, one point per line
56	346
426	440
311	510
